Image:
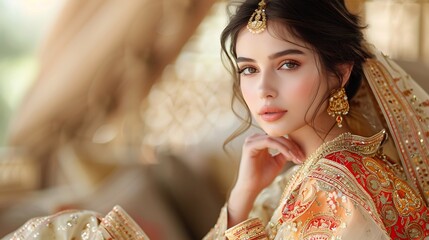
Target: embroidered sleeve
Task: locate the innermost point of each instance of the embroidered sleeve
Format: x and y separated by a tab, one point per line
119	225
252	228
75	224
316	210
70	223
218	231
263	208
249	229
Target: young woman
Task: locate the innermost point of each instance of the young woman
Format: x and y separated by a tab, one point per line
354	122
306	76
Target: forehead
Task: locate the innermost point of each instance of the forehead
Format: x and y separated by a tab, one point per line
275	37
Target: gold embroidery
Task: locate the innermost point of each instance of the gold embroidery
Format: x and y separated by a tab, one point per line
405	199
414	231
374	185
408	119
338	176
389	215
249	229
119	225
377	169
298	202
320	227
367	146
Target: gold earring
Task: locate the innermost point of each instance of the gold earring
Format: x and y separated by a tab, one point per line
258	21
338	105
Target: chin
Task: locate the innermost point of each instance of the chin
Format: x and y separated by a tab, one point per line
274	132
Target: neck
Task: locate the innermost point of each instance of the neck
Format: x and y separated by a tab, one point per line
310	139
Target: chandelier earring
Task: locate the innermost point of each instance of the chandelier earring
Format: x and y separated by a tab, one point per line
338	105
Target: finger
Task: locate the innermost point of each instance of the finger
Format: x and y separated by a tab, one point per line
266	142
254	137
282	159
292	147
286	146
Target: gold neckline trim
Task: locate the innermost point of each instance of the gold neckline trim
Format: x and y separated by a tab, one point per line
367	146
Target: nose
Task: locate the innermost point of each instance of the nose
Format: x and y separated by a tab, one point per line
267	87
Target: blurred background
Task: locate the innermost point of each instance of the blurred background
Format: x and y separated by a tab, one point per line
107	102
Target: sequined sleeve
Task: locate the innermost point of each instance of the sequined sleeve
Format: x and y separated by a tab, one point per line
63	225
263	208
74	224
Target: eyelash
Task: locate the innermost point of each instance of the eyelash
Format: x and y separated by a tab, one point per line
295	65
241	70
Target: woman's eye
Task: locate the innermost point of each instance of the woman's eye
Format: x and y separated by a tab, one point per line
290	65
247	70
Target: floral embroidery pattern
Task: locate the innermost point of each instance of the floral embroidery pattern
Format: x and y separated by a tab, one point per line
320	227
298	202
402	210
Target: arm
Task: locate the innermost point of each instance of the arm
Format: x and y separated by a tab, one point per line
258	168
263	208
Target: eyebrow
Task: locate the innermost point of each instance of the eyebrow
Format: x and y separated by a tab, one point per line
286	52
273	56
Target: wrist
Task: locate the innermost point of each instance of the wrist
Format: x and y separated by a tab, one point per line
244	192
240	203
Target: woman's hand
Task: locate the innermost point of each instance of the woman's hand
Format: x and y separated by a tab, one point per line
258	168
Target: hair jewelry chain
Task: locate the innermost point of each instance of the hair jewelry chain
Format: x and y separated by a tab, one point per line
338	105
258	21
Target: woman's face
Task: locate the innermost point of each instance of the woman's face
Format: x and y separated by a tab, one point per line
280	81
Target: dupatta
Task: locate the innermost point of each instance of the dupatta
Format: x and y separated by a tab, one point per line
390	98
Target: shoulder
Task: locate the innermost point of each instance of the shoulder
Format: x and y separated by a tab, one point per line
372	183
318	208
350	175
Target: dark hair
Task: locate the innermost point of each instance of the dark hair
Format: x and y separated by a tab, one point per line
327	26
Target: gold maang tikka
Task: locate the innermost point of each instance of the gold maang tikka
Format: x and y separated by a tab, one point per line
338	105
258	21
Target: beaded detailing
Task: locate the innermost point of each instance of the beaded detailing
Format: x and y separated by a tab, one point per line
60	223
407	117
338	105
258	21
251	229
29	228
119	225
367	146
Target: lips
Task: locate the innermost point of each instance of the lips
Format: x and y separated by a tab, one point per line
271	114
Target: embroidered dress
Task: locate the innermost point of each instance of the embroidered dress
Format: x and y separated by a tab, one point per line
352	187
85	225
344	191
355	187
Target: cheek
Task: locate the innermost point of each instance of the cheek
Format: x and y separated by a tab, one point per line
307	96
302	93
248	94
